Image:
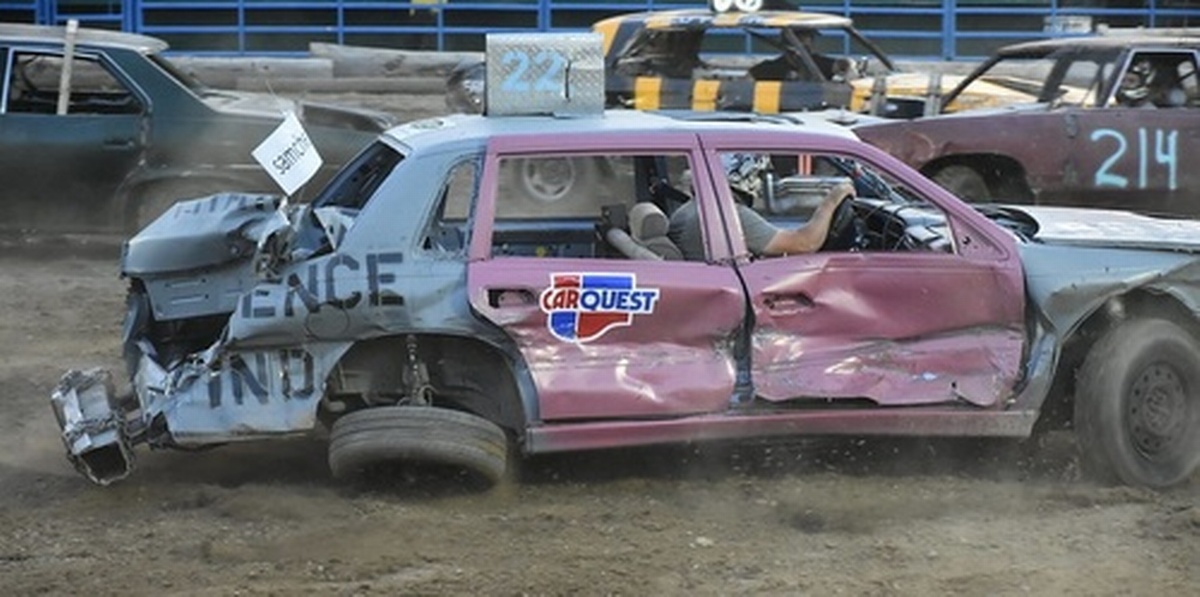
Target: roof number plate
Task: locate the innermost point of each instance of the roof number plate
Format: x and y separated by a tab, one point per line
544	73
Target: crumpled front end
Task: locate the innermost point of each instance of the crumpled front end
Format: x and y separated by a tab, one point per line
93	426
194	378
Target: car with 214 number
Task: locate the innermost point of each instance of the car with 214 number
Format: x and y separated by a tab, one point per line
1107	121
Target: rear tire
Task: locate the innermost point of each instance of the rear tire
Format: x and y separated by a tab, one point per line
1137	405
417	434
964	182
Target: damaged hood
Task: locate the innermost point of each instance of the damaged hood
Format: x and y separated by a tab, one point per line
1111	229
203	233
1075	259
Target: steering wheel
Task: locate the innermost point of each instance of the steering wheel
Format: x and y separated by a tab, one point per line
845	230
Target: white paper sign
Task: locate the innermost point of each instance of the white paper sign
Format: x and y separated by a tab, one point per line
289	155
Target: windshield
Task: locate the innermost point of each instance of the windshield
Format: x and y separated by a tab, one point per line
1066	77
356	182
332	213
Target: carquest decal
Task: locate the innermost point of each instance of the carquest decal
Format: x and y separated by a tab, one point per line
582	307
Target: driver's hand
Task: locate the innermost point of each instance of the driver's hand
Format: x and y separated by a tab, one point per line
840	192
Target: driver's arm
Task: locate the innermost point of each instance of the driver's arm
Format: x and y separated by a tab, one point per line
809	237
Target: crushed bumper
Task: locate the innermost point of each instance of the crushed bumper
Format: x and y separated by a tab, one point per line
93	425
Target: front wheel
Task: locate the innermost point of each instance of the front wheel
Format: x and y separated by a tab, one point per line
1137	405
419	435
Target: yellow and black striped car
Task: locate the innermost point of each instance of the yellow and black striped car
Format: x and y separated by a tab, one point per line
768	61
764	62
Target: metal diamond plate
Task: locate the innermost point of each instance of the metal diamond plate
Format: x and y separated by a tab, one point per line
545	73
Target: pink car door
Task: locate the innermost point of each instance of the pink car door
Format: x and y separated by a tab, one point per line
891	327
601	336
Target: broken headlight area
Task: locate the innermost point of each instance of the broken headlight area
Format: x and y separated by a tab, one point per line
93	425
188	272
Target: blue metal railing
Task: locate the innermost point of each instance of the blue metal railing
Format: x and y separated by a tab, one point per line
924	29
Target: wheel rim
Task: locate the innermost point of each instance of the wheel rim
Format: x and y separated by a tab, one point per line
549	180
1157	411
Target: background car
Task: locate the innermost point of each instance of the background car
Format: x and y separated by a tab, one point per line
1108	121
136	133
767	62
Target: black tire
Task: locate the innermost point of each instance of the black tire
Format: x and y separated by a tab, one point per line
417	434
964	182
1137	405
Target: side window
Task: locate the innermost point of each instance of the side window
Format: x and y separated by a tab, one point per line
784	185
596	206
1179	86
449	230
1189	79
34	81
785	189
1075	81
1159	80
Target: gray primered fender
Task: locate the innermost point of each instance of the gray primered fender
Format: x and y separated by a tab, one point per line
1067	284
199	233
338	300
238	395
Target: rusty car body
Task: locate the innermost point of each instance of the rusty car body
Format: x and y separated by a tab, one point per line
1073	141
136	133
417	309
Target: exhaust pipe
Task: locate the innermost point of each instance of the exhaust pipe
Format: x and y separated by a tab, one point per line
93	425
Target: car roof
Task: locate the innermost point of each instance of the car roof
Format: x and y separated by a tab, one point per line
686	19
1098	42
473	127
43	34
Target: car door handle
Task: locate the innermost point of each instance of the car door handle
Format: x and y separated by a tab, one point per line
499	298
788	303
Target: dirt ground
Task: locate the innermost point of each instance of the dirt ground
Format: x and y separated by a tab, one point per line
849	517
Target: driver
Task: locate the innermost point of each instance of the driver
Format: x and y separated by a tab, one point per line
763	239
1134	90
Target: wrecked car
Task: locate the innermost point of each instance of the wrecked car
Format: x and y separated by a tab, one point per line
134	133
768	61
1108	121
418	309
